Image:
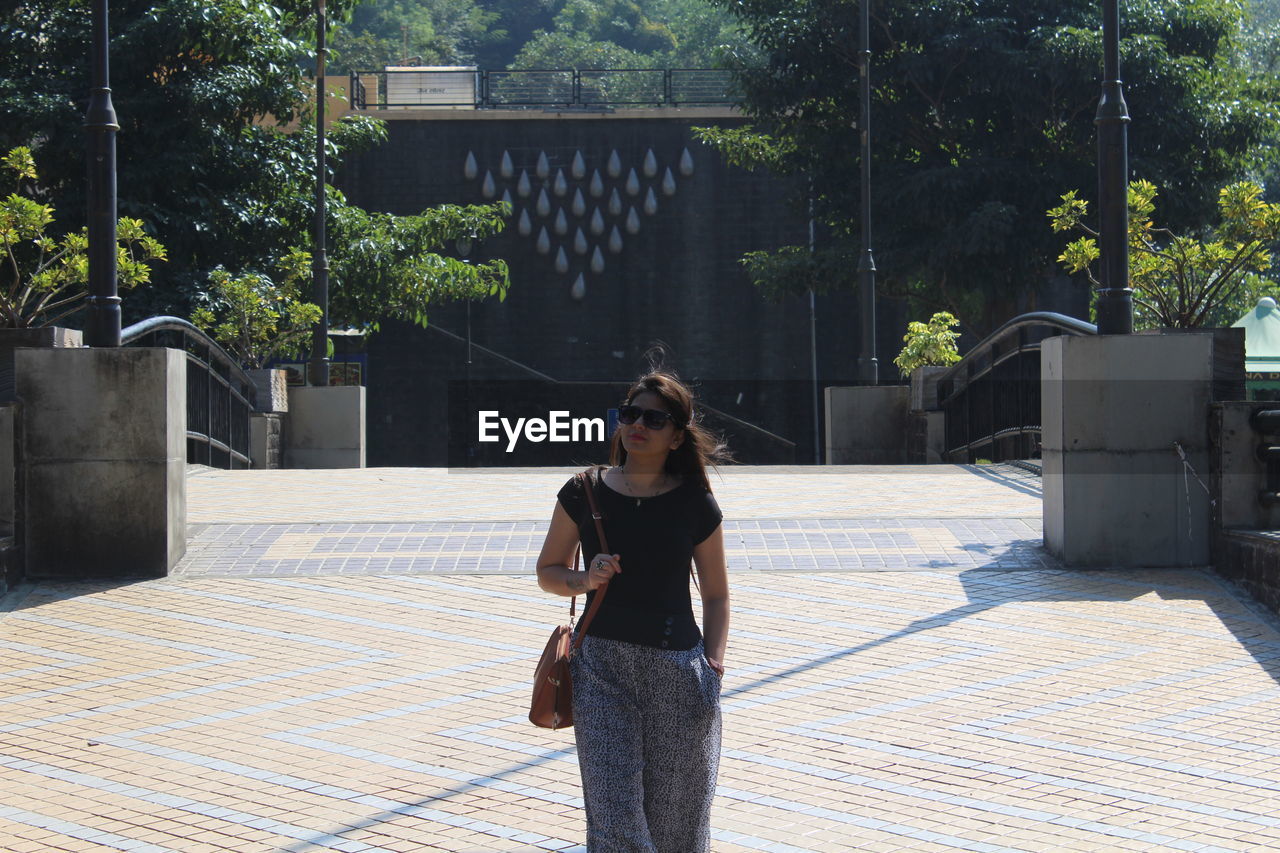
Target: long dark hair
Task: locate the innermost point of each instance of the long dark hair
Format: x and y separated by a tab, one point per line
700	448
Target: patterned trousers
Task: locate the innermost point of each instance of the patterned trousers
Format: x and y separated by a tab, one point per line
647	724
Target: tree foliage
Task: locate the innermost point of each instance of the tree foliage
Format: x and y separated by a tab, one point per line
218	183
44	279
398	32
497	34
929	344
982	113
1180	281
257	317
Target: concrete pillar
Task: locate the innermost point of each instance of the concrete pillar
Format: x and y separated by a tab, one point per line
867	425
266	445
1115	410
325	427
103	458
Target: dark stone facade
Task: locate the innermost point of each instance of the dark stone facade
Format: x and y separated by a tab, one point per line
675	278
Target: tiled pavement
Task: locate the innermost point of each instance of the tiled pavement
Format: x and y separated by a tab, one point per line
973	705
398	520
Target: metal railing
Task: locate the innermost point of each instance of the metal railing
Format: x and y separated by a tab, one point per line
568	88
991	397
220	395
359	95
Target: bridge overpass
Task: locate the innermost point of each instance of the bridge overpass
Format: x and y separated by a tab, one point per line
342	661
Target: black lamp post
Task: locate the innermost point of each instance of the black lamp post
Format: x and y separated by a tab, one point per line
320	259
464	245
1115	298
868	367
102	328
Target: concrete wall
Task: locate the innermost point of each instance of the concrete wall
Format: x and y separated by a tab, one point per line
867	426
103	456
325	428
1116	491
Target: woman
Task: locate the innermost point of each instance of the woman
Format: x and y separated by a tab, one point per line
646	681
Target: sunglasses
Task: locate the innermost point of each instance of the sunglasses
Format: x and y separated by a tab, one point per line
654	419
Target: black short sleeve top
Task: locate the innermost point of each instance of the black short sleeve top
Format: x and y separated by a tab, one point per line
648	603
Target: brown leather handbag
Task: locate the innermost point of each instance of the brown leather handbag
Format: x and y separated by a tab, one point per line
552	705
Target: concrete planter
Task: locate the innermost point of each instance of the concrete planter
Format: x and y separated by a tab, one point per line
43	337
325	427
867	425
1125	423
103	439
266	440
272	387
924	388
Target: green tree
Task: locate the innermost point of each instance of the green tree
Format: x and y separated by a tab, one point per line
44	278
929	344
632	34
257	318
589	33
514	25
396	32
981	110
1180	281
215	182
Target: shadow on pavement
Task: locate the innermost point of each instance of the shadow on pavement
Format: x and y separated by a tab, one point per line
1019	481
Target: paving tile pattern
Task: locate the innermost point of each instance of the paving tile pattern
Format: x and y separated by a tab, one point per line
497	547
384	495
342	662
977	710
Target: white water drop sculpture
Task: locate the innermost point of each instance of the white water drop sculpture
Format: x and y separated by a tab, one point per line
650	164
686	163
650	202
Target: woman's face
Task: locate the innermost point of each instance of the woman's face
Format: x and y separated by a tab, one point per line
642	440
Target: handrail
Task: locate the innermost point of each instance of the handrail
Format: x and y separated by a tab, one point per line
174	324
220	395
1034	318
523	88
991	397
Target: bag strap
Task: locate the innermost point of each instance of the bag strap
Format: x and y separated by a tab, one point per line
586	477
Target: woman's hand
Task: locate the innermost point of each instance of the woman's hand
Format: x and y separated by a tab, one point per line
601	569
716	666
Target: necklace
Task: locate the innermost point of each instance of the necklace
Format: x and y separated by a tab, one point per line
632	488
